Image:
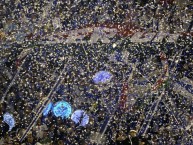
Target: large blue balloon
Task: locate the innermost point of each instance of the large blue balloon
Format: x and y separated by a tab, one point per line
102	77
62	109
8	118
47	109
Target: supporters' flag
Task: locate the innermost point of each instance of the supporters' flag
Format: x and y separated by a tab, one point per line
123	97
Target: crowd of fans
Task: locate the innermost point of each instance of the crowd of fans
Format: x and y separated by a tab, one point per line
41	19
37	71
37	77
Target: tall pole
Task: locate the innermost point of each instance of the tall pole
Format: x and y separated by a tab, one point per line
45	103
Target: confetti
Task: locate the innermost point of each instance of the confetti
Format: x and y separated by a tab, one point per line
124	67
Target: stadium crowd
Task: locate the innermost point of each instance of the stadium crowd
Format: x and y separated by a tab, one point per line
23	23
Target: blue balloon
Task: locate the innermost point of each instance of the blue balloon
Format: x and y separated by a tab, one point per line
8	118
80	117
62	109
102	77
47	109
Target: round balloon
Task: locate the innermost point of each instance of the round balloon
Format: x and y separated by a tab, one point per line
62	109
102	77
80	117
